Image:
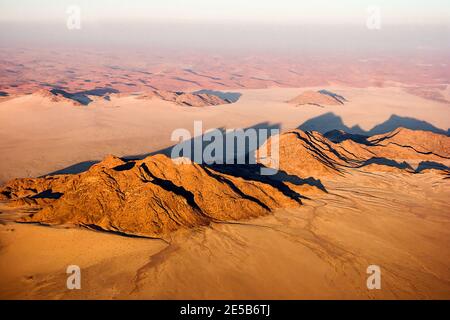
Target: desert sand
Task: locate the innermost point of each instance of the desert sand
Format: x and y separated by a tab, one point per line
224	150
320	250
396	219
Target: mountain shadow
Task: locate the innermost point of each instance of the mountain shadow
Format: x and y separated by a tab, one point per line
236	162
82	97
237	155
329	121
227	96
200	143
335	96
395	122
337	136
75	168
387	162
278	180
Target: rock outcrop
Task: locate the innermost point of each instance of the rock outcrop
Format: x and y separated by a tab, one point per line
75	98
311	154
185	98
149	197
84	98
157	195
46	94
318	98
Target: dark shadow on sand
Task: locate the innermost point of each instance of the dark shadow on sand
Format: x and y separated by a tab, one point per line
75	168
227	96
188	144
329	121
424	165
82	97
47	194
386	162
247	169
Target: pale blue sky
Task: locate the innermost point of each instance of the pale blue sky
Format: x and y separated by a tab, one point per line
266	11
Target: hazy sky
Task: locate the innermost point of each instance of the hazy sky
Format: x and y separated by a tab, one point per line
266	11
264	25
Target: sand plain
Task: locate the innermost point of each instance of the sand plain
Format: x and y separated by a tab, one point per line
318	251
